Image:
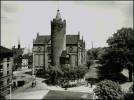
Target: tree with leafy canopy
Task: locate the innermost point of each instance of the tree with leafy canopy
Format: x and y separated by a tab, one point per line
17	62
108	90
119	54
95	53
89	63
129	95
64	74
92	53
54	74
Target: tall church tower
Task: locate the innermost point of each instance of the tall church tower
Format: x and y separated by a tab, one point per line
18	44
58	38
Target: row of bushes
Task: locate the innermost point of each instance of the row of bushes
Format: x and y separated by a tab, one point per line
69	85
57	75
110	90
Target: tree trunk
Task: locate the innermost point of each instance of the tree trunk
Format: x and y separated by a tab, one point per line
130	74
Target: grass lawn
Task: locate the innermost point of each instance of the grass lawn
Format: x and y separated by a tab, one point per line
53	94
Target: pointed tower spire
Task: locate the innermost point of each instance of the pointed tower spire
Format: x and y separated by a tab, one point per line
84	44
79	34
37	34
92	45
58	16
82	38
28	48
18	43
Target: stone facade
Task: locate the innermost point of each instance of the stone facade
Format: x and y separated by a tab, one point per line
6	64
47	49
58	38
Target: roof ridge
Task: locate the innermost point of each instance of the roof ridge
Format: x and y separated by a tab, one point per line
71	34
44	35
70	39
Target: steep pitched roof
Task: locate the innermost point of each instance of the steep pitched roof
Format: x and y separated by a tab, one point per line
72	39
4	52
43	39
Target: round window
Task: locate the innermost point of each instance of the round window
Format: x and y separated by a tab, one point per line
39	48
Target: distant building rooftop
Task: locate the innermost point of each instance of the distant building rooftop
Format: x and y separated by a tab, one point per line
5	52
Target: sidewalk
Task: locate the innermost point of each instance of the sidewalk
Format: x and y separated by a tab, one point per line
19	89
27	92
41	89
30	95
22	88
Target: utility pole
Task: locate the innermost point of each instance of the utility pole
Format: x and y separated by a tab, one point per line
92	44
11	89
28	48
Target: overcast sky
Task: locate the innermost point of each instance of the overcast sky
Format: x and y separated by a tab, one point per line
96	20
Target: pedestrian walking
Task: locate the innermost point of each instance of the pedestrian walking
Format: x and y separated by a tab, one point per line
32	84
34	81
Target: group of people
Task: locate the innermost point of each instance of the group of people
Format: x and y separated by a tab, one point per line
34	83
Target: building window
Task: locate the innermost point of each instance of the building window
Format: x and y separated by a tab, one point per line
8	59
38	60
1	83
70	49
8	81
49	49
1	73
39	48
7	66
49	56
1	59
1	67
7	72
76	60
1	70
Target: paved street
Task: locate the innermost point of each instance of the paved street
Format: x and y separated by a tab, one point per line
26	91
41	89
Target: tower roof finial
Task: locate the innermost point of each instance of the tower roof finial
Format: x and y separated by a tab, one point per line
18	43
58	16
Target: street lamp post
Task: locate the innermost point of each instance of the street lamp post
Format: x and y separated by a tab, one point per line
11	89
10	92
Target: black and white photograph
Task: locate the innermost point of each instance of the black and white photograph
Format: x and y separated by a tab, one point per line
67	50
